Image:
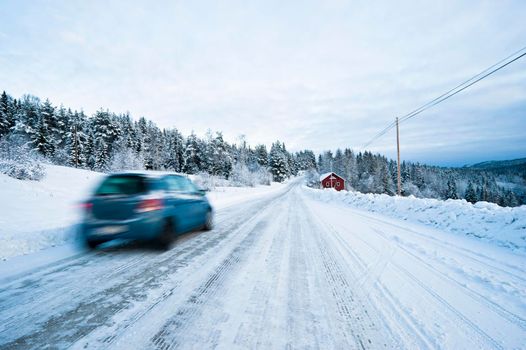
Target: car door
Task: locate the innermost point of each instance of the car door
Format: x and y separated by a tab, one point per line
201	203
182	204
198	203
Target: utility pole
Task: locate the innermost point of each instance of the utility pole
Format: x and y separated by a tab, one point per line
399	179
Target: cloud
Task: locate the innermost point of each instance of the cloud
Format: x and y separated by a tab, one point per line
317	75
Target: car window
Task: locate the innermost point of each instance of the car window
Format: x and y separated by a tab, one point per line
176	184
121	184
189	185
158	184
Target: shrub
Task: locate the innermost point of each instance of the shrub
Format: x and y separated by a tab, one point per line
18	160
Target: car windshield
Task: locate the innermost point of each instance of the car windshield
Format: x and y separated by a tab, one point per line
122	185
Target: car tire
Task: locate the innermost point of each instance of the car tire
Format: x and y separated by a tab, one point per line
209	221
92	244
166	238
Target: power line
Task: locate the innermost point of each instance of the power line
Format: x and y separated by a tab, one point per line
465	87
380	134
452	92
463	83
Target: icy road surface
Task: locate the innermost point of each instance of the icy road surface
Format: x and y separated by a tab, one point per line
278	272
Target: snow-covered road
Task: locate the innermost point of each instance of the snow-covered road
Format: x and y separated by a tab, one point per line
281	272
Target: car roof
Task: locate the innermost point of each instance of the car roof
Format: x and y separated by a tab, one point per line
147	173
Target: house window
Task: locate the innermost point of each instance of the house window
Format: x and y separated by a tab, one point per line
338	183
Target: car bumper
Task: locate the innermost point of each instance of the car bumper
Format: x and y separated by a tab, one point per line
143	228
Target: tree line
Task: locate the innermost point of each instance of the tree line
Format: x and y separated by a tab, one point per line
108	141
374	173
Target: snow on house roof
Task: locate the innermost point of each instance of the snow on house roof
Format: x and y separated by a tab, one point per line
323	176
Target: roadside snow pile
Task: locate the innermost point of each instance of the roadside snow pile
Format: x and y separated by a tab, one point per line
40	214
487	221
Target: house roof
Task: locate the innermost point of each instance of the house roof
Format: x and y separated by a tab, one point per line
324	176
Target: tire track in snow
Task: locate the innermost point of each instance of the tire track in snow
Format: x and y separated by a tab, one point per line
254	321
508	315
423	340
303	326
485	337
465	253
448	307
97	308
360	317
168	336
225	235
482	336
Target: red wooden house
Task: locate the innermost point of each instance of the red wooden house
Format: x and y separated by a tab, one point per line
332	180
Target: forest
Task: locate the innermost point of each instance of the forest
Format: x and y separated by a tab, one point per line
32	132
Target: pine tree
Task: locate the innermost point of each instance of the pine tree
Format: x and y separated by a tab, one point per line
510	199
261	155
75	146
338	163
41	138
451	189
192	155
278	162
7	118
350	171
89	151
102	156
471	194
221	160
173	150
384	178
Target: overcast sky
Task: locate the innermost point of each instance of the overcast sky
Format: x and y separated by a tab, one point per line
314	74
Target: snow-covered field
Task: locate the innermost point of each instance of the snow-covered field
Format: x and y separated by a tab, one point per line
36	215
502	226
40	214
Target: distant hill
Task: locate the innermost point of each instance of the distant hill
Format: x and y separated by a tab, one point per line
498	164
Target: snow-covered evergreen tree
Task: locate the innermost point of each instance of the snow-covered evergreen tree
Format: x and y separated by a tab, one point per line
192	157
261	155
471	194
451	192
278	162
42	137
221	159
7	114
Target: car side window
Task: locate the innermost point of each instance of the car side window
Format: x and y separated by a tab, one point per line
175	184
188	185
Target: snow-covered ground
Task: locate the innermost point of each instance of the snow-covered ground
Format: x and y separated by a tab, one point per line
39	214
486	221
36	215
280	271
285	267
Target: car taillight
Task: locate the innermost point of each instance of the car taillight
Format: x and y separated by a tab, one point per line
147	205
86	206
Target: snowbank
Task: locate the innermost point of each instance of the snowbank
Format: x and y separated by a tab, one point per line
40	214
487	221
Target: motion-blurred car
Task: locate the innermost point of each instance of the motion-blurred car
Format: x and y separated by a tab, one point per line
145	207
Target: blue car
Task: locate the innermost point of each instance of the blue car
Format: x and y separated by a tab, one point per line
146	207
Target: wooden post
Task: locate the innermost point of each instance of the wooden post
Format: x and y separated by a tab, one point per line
399	179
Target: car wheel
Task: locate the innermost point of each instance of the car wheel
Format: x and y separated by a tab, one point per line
166	238
209	221
92	244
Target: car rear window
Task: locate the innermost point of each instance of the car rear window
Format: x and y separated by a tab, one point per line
122	184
